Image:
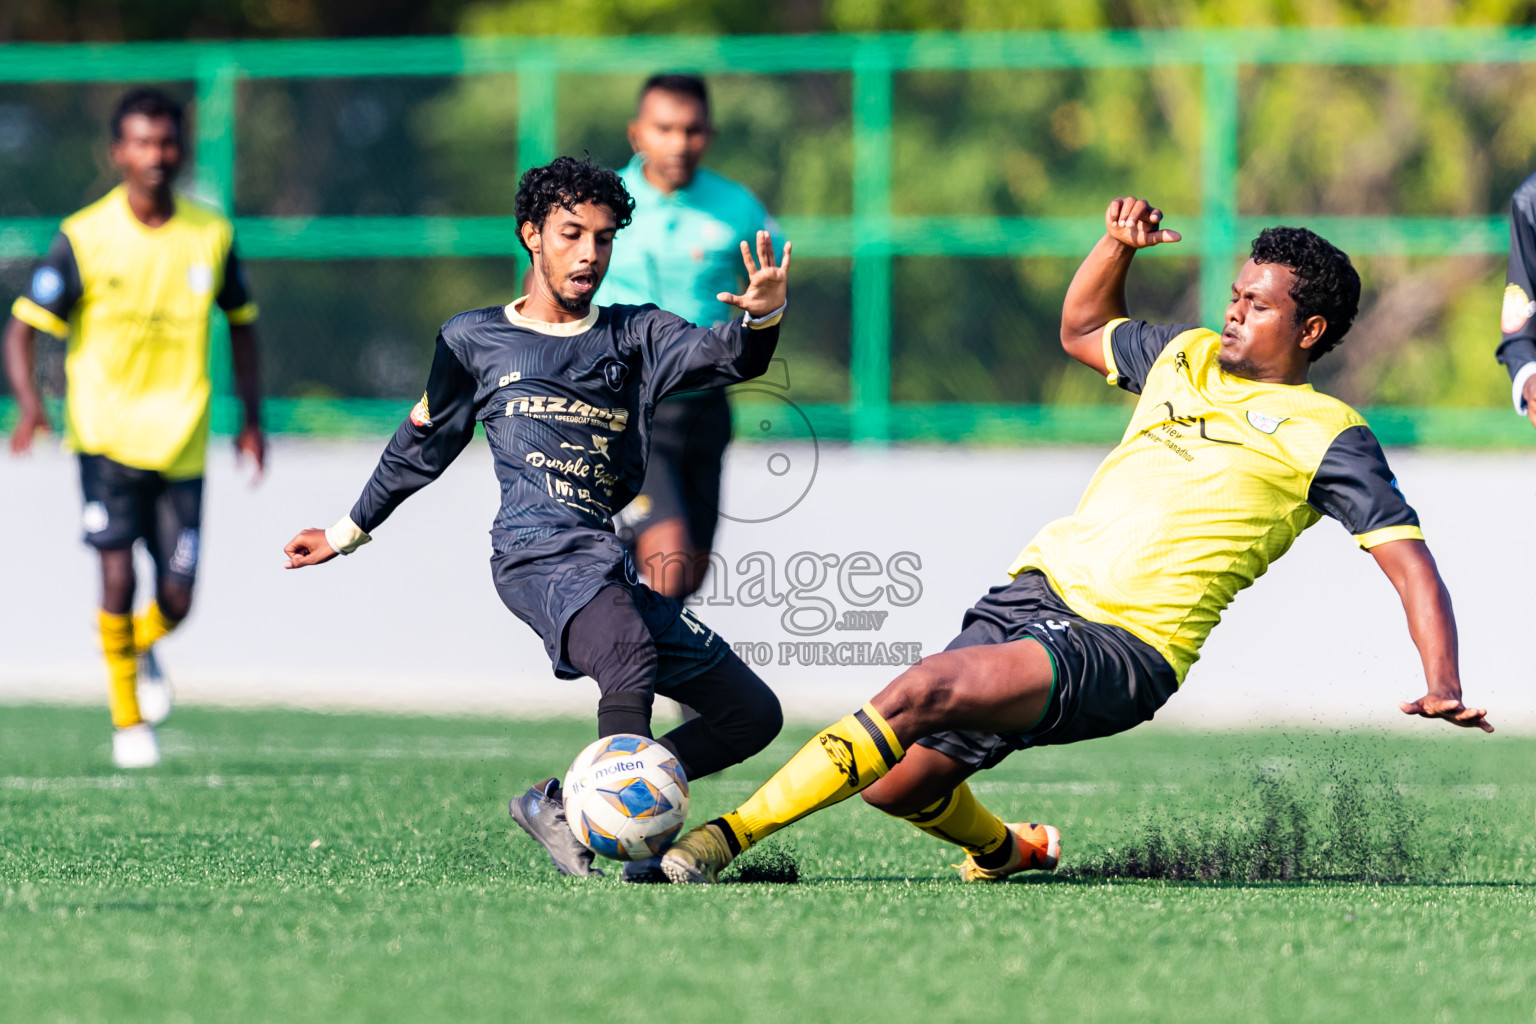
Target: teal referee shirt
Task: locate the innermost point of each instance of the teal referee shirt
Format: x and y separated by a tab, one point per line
683	249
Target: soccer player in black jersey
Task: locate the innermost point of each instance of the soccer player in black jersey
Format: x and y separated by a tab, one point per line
565	391
1517	318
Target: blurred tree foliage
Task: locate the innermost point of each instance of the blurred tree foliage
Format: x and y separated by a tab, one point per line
1414	140
1417	140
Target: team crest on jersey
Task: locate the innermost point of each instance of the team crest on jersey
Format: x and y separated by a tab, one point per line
1265	423
421	415
200	278
614	373
47	285
1518	308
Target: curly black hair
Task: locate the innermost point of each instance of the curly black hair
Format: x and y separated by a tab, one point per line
1326	282
567	182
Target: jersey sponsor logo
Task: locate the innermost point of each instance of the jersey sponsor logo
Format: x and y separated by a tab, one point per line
47	285
577	466
94	517
421	413
1265	423
200	278
1518	308
567	410
1195	421
614	373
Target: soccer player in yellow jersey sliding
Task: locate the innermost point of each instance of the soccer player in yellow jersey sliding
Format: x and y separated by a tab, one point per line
130	281
1229	455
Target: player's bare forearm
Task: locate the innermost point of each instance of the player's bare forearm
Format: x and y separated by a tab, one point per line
245	362
19	356
1096	295
1432	625
1097	292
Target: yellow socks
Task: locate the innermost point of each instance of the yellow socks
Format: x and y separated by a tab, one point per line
838	762
960	819
150	625
122	668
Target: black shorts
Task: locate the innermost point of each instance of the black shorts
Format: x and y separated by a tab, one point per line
689	435
124	504
549	593
1106	679
629	638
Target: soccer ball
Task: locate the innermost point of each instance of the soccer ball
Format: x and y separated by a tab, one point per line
626	797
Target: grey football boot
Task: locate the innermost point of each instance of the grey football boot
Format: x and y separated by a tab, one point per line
644	871
541	813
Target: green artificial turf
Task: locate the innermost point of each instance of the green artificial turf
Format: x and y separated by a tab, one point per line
290	866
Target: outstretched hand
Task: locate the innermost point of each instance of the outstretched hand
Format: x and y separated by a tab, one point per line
1450	709
308	548
767	279
1134	222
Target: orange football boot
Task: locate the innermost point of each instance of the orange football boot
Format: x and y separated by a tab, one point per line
1035	848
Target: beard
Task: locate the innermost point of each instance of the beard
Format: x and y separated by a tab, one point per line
569	305
1239	366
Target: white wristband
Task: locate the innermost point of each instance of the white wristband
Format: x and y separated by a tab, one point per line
1524	374
345	536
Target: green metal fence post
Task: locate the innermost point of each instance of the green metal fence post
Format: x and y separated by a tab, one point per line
215	182
1218	180
869	382
536	124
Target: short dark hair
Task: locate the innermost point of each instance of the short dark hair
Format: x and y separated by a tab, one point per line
1326	282
567	182
150	103
691	86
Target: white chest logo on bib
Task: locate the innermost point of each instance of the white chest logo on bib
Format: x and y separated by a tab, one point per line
1265	423
200	278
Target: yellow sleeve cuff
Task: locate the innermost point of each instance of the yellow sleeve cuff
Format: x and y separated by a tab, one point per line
767	321
30	313
1111	371
1387	534
346	536
242	315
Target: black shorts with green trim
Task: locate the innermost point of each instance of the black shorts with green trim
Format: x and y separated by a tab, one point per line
1106	679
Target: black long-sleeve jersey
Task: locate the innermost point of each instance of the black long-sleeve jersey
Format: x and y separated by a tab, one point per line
1517	319
567	410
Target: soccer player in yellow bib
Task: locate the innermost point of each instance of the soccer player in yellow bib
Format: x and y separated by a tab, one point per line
130	281
1229	455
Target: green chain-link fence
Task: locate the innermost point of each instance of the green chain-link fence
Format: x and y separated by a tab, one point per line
333	157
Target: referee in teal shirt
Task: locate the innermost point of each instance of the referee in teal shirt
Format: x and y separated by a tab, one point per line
682	248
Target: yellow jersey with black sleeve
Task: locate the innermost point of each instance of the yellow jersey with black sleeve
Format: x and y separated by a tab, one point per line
134	304
1214	479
